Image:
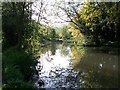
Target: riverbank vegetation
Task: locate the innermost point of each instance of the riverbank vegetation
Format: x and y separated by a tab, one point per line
93	24
18	65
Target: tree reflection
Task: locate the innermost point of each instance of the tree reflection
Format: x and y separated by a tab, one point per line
46	48
87	68
65	49
76	55
53	49
101	69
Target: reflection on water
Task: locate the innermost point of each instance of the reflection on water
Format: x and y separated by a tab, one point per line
77	67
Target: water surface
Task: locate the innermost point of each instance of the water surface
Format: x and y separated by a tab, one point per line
78	67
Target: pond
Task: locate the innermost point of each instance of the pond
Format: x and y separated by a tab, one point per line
69	66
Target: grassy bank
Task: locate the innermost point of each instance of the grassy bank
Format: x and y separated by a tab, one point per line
17	69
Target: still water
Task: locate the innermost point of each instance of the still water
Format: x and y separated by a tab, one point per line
70	66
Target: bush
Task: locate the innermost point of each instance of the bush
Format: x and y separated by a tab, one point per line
17	84
11	72
18	68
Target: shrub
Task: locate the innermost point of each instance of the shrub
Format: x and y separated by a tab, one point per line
18	68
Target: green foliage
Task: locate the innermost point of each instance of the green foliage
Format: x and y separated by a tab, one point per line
98	18
18	69
15	16
98	21
18	66
11	72
64	33
37	35
17	84
51	34
13	78
21	60
77	36
32	37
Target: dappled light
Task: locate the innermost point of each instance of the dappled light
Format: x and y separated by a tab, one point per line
60	44
80	68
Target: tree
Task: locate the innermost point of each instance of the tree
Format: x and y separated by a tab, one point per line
15	16
100	19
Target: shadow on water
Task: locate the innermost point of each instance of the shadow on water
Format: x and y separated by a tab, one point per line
65	66
100	67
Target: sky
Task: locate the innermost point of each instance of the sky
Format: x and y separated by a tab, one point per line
52	19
